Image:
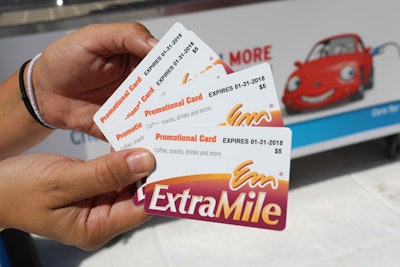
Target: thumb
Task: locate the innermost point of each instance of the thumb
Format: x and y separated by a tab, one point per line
108	173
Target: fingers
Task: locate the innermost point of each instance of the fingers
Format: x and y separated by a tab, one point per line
105	174
89	202
110	213
113	220
118	38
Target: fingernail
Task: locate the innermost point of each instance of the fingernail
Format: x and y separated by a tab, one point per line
152	41
140	162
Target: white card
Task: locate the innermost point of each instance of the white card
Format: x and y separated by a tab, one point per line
234	175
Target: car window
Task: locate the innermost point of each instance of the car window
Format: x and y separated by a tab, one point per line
334	46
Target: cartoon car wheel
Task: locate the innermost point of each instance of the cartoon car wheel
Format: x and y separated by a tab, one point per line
359	94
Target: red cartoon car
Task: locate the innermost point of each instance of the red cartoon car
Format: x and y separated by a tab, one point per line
337	68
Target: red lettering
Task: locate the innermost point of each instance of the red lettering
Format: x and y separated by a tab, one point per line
234	59
267	53
248	56
257	54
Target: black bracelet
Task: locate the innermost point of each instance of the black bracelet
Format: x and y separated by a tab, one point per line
25	97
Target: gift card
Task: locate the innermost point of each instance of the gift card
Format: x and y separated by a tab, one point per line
233	175
174	103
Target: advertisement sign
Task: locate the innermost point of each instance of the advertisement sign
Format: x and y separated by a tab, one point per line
335	65
335	69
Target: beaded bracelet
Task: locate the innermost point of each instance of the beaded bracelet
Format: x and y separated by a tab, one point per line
30	99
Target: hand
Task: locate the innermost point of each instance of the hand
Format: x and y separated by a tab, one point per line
78	203
76	74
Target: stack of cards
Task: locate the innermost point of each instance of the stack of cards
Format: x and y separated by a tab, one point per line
175	104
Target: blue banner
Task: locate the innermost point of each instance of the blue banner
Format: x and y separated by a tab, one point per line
340	125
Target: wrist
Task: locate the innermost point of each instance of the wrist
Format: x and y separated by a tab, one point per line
28	92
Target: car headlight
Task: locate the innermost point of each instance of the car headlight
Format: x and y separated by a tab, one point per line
293	83
347	73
